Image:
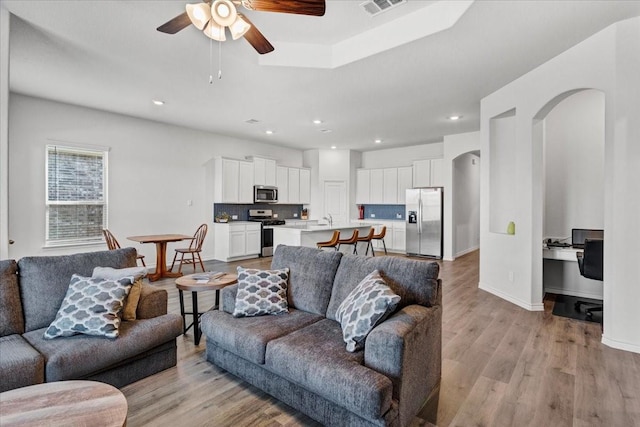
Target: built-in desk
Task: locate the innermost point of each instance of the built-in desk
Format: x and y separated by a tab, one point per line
560	274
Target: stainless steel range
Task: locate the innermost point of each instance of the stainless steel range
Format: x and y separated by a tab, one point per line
265	217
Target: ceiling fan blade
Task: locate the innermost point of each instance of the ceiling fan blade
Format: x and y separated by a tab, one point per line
300	7
178	23
256	39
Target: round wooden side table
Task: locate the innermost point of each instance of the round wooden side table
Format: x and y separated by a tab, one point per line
192	284
64	403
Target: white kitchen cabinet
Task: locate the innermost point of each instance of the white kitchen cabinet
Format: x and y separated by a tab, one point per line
399	236
305	186
395	238
390	186
376	187
405	181
362	186
264	171
437	172
294	185
282	182
233	181
428	173
237	240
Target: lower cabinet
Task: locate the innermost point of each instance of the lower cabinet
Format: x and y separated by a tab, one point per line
394	239
237	240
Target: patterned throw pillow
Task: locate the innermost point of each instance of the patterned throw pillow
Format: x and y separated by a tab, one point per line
90	307
131	303
367	305
261	292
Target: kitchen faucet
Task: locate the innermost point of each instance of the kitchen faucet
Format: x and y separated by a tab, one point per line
330	219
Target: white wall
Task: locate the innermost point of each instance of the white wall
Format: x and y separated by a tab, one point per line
466	203
511	266
154	169
4	131
574	164
404	156
454	146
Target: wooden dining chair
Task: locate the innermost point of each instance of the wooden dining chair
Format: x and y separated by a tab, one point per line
112	243
367	239
380	236
332	243
353	240
195	247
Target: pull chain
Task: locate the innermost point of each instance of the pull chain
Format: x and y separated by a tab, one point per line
219	59
210	61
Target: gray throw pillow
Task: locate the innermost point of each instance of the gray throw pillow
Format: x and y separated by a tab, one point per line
261	292
365	307
91	307
131	303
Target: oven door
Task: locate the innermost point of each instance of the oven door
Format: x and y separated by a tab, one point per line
267	241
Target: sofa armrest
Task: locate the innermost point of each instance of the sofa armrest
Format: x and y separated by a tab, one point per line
153	302
228	298
407	348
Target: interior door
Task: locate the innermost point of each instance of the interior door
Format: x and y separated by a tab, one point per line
335	201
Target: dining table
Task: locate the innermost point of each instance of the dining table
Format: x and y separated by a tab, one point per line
161	241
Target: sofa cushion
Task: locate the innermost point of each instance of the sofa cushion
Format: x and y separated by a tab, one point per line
131	302
247	337
367	305
11	320
261	292
315	358
415	281
50	275
81	355
91	307
20	364
311	275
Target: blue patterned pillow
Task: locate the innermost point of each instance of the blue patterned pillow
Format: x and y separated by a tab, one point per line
91	307
261	292
366	306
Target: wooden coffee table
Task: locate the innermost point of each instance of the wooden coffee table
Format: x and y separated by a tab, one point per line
189	283
64	403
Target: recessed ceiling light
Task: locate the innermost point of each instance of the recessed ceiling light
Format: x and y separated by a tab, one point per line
317	121
454	117
269	132
378	141
158	102
333	147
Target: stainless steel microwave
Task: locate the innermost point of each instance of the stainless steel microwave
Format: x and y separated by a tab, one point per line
265	194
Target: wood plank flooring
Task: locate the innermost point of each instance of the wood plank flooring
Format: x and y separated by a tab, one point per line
502	366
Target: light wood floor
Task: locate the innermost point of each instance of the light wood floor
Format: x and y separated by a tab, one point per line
502	366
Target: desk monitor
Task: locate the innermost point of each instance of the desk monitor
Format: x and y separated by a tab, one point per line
579	234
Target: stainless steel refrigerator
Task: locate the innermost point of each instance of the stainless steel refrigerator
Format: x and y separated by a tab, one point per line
424	210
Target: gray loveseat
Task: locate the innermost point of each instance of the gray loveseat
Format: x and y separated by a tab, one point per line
31	292
300	357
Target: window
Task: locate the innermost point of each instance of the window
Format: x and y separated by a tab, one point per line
76	195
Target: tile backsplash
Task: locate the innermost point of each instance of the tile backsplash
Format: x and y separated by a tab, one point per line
384	211
242	211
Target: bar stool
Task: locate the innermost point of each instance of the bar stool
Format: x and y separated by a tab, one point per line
367	239
380	236
332	243
353	240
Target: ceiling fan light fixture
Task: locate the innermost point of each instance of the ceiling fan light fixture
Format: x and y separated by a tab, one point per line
199	14
223	12
215	32
239	28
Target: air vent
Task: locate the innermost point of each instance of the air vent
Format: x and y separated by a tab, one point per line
374	7
252	121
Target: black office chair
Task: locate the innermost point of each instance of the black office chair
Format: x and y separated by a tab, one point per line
590	264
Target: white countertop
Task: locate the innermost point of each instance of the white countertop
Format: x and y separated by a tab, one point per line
309	228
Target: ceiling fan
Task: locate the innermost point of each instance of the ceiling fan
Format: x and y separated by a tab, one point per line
214	16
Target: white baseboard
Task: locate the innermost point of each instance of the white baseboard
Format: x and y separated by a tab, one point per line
620	345
524	304
573	293
466	251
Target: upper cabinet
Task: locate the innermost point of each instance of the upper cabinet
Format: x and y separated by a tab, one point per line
376	187
264	171
428	173
405	181
282	182
305	186
363	176
294	185
233	181
382	186
390	186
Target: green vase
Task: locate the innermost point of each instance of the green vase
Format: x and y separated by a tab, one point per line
511	228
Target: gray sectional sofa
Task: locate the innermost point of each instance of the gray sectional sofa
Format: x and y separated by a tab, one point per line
300	357
31	292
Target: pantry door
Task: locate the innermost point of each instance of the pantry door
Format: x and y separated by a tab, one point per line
335	201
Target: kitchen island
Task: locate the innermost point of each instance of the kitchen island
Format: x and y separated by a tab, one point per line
310	234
